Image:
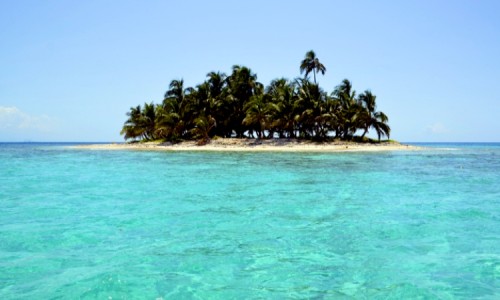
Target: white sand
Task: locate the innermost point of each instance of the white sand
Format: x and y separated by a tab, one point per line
246	145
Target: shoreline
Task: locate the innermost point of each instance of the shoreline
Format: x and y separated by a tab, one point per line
255	145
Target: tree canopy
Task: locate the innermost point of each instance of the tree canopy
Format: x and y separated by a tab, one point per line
311	63
237	105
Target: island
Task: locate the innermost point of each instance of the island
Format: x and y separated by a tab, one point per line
236	112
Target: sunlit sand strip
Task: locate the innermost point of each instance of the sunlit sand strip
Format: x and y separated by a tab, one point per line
252	145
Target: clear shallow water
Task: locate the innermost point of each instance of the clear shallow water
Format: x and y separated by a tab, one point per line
148	225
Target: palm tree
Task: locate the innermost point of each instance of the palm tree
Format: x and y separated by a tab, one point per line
380	125
310	107
256	114
332	116
216	82
175	90
202	128
282	96
219	102
141	123
174	116
371	118
311	63
148	121
132	128
242	85
345	95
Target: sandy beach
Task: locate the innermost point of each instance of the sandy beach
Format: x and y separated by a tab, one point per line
255	145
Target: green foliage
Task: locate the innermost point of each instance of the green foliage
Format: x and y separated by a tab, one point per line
311	63
238	105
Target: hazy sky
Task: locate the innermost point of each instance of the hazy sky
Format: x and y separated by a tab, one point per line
70	70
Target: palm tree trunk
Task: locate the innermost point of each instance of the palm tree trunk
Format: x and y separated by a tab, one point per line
364	133
314	73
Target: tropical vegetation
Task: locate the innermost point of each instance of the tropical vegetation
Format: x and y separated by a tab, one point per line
237	105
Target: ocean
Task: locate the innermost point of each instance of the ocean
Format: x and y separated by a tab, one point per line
83	224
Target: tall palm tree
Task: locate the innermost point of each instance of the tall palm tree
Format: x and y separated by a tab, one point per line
311	63
372	118
242	85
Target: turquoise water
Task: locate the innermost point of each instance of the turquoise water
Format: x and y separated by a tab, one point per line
155	225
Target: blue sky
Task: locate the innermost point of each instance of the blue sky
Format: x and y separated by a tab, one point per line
70	70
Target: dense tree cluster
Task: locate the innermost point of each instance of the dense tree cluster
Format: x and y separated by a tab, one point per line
239	106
